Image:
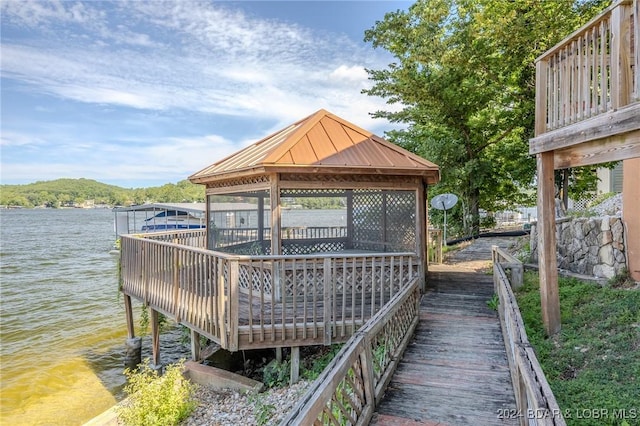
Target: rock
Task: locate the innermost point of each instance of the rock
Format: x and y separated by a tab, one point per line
606	255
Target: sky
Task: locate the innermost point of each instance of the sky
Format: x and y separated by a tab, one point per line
144	93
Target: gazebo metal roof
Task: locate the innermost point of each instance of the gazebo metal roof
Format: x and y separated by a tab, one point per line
321	143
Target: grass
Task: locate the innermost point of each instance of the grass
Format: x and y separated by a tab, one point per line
593	363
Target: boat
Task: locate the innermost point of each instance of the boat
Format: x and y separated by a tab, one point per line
155	217
172	219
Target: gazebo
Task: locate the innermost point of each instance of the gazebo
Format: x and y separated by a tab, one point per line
338	227
298	175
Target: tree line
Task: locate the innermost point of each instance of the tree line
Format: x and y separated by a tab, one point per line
78	192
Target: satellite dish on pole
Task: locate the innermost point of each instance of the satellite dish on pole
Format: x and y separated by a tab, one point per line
444	202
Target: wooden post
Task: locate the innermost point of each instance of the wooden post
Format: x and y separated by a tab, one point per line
222	298
385	236
541	98
279	354
155	337
328	320
547	261
261	217
366	358
275	215
295	365
636	45
209	231
234	313
128	311
517	275
133	345
195	345
621	73
350	227
421	233
175	308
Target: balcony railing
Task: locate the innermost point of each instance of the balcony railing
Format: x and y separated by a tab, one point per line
591	72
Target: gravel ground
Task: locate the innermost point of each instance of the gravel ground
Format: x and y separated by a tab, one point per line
232	408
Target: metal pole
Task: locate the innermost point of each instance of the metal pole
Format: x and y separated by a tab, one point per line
445	223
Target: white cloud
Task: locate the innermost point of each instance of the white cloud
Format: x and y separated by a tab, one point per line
173	59
353	73
10	139
34	13
224	58
165	160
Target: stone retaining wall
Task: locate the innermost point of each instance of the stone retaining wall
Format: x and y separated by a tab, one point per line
587	245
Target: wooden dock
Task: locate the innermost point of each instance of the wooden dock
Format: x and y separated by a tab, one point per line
455	370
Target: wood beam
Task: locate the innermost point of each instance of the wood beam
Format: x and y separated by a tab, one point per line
547	261
602	126
614	148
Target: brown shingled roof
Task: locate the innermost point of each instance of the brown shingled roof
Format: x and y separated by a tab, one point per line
321	142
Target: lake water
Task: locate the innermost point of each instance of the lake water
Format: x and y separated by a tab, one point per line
62	319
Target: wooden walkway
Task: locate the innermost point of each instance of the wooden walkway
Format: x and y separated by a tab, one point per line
455	371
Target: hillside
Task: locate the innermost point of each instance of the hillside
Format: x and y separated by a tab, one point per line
83	192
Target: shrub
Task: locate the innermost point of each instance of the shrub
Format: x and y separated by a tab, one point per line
276	374
157	400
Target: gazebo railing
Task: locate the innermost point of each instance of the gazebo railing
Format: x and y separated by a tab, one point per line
233	236
246	302
192	238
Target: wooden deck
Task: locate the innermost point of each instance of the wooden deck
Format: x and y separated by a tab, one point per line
455	370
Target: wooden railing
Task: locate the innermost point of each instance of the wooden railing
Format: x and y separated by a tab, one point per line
593	71
351	386
232	236
191	238
434	246
244	302
507	261
535	401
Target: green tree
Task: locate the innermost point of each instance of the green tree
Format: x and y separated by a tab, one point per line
463	82
60	192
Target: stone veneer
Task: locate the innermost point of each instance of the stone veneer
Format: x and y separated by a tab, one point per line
587	245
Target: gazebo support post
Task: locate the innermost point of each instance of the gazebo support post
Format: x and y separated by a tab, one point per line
385	236
274	193
295	364
133	346
350	229
261	218
155	340
421	234
195	345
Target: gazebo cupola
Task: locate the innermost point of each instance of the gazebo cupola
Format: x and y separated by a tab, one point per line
320	185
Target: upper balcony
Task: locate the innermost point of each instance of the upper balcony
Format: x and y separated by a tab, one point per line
587	91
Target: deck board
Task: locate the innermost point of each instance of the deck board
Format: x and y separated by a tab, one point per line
455	370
